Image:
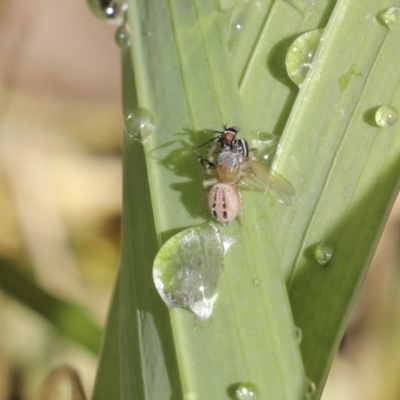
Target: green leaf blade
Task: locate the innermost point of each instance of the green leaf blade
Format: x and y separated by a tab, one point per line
170	192
345	171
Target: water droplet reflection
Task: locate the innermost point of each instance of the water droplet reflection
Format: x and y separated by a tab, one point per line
298	334
109	10
389	16
323	252
243	391
310	388
123	37
139	124
301	55
188	267
227	241
386	116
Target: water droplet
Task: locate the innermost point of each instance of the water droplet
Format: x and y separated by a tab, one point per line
187	269
388	16
301	54
123	37
139	124
226	5
257	282
310	388
298	334
243	391
266	145
323	252
109	10
227	241
386	116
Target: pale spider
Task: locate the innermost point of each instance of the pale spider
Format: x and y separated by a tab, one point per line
231	168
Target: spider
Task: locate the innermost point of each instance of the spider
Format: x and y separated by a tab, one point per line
233	169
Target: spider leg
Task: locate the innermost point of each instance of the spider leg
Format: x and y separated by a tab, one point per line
208	166
210	182
210	154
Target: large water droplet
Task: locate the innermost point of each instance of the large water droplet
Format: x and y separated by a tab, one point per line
187	269
109	10
139	124
243	391
323	252
301	54
123	36
389	16
386	116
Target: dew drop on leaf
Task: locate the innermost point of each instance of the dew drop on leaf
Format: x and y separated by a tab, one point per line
386	116
243	391
298	334
310	388
139	124
389	16
123	37
109	10
257	282
301	55
323	252
187	269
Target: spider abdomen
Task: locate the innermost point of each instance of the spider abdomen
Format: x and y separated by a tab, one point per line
225	202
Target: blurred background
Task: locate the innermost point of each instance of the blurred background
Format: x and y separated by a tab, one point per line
60	209
60	181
